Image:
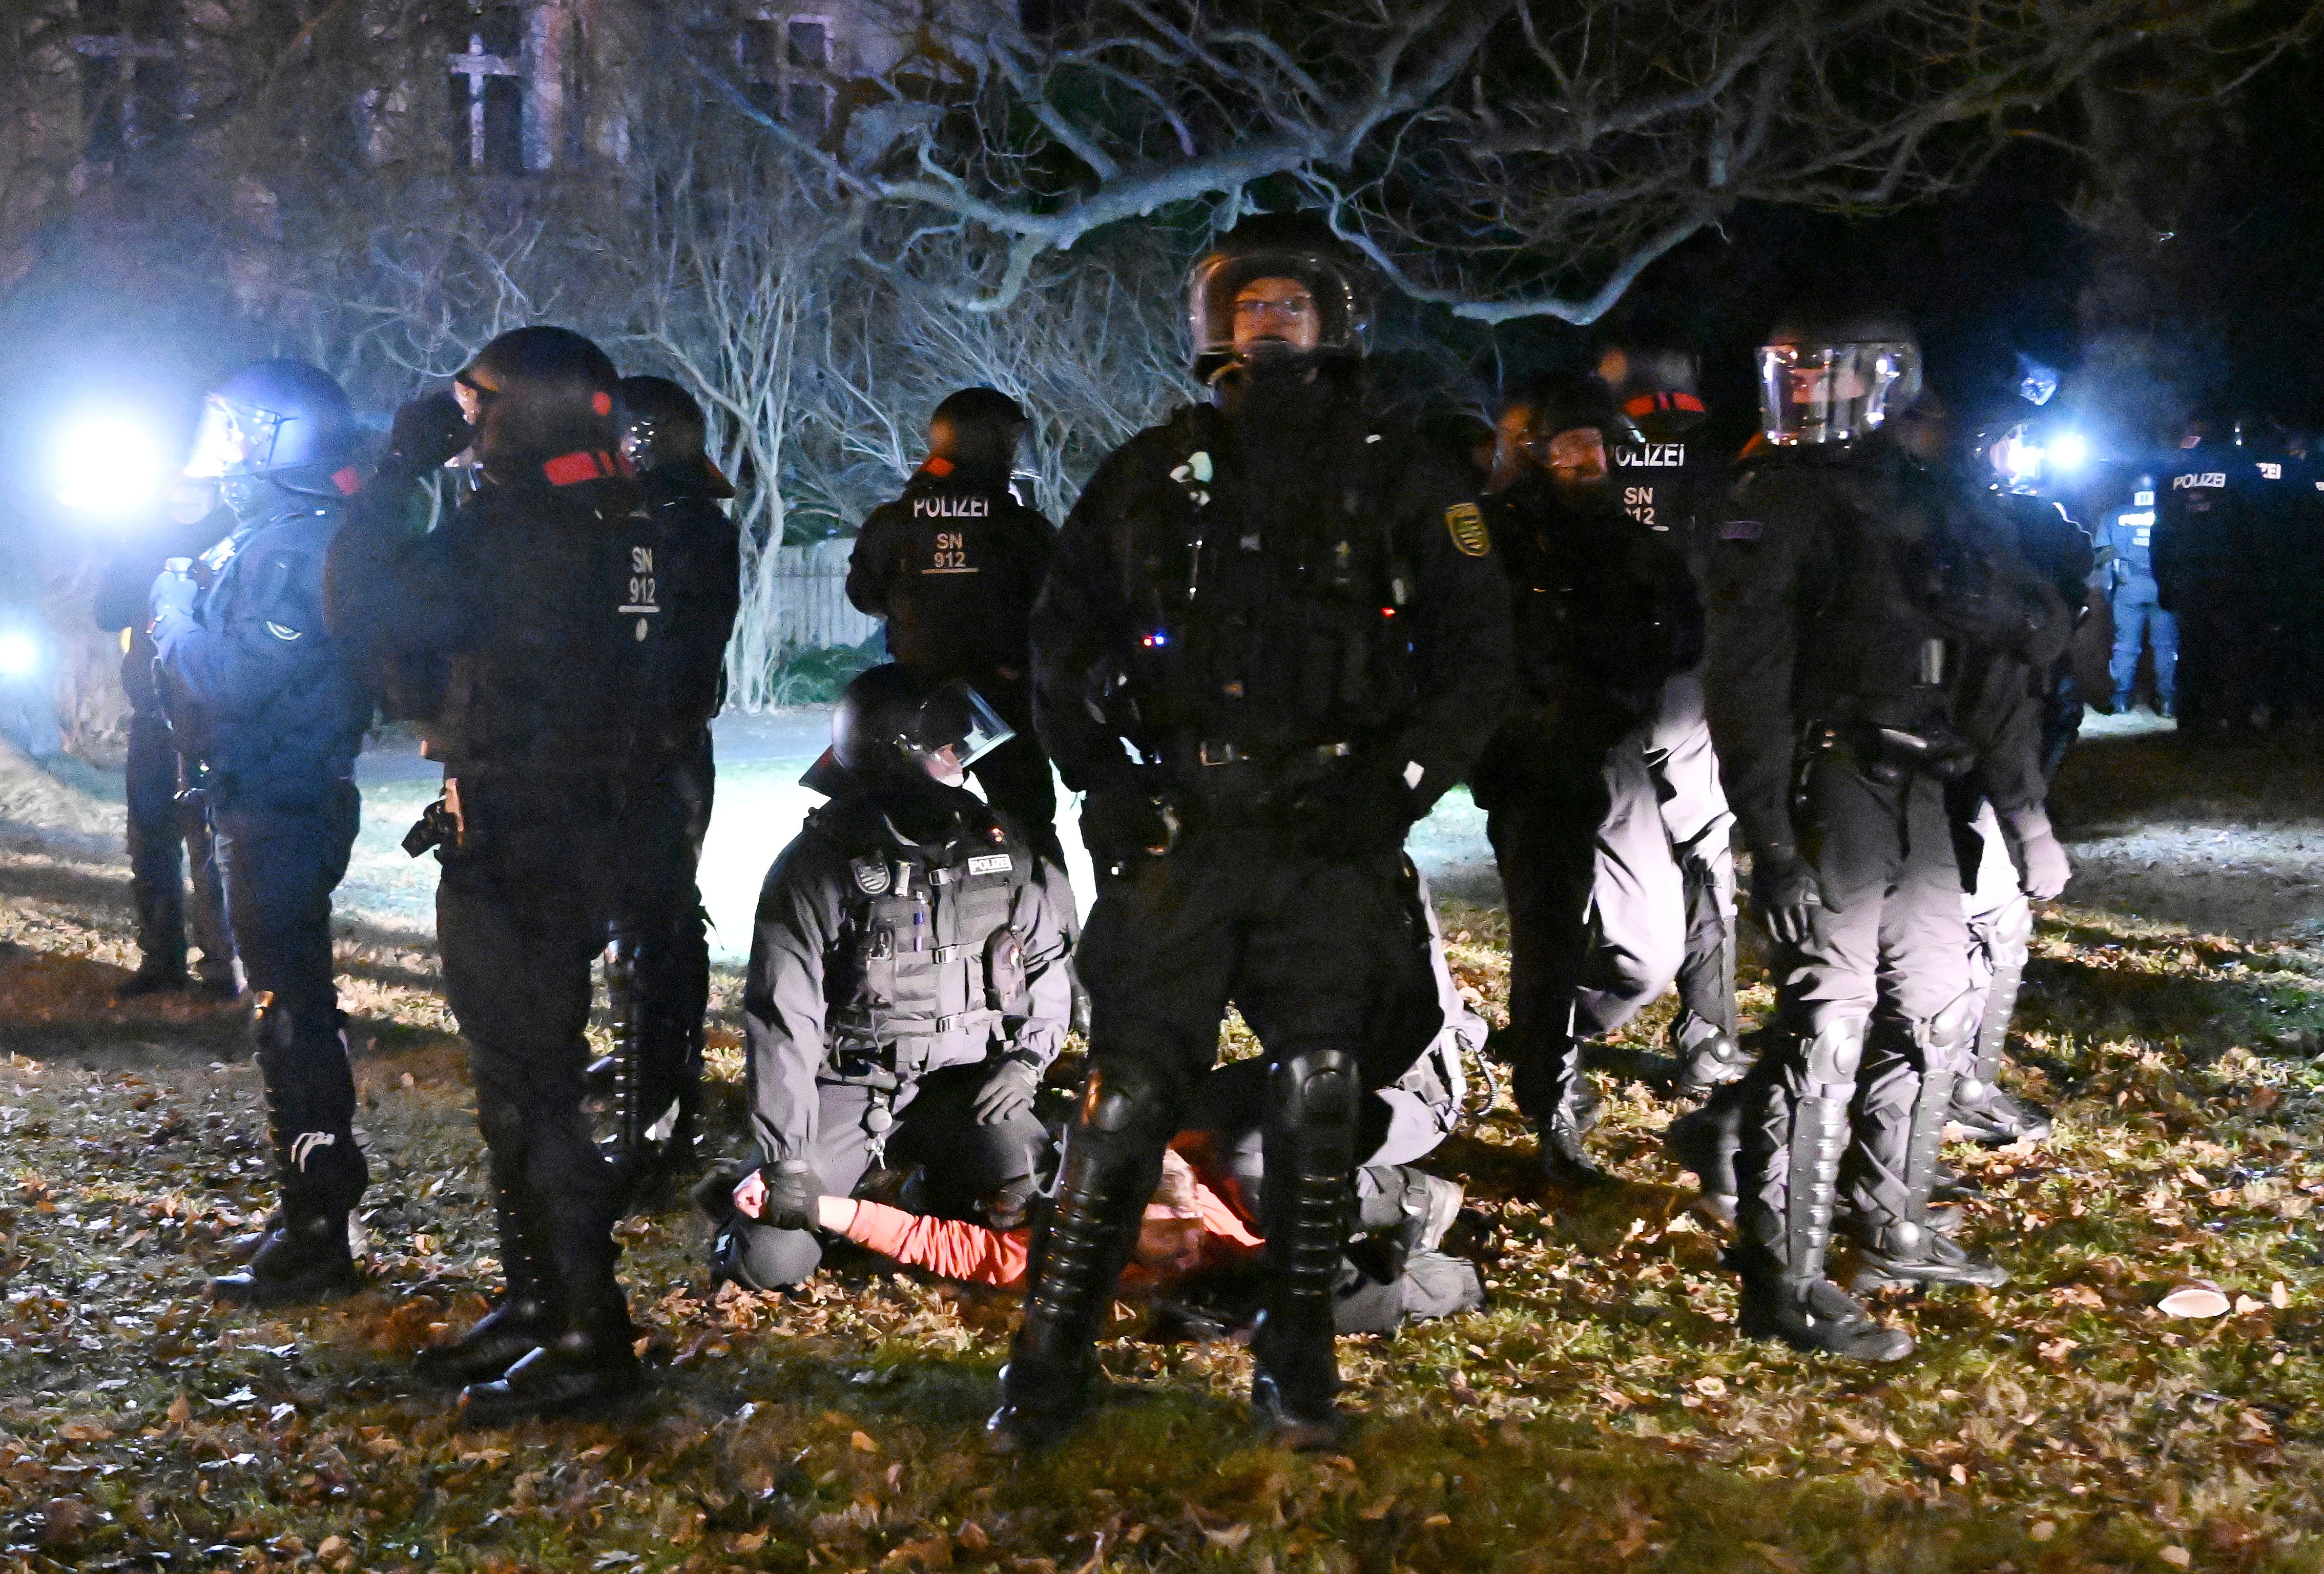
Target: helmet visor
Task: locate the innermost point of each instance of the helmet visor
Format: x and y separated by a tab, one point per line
1834	394
232	440
1219	280
957	718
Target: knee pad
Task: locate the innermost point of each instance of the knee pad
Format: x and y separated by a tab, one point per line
1130	1098
2013	927
758	1257
1829	1056
1314	1088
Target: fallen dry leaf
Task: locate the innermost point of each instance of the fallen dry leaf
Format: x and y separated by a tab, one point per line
2195	1300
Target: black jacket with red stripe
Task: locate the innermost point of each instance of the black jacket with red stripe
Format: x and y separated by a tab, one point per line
545	605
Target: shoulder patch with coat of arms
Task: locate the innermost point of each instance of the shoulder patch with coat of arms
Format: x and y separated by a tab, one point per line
1465	521
872	876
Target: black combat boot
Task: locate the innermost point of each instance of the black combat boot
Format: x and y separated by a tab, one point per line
523	1317
1571	1110
590	1364
154	978
1991	1118
319	1167
1909	1247
1704	1142
1112	1160
1785	1295
307	1260
1311	1139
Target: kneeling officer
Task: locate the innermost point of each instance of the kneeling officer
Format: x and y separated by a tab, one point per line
908	983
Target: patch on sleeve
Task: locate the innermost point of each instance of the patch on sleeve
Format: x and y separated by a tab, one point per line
1741	531
870	876
1466	524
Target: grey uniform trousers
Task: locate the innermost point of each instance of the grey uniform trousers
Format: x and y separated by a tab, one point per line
1878	993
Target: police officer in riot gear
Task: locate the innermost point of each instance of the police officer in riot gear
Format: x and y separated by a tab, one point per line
2126	550
1274	634
906	988
1604	620
168	841
658	955
1873	646
542	602
271	710
2209	559
1667	475
954	566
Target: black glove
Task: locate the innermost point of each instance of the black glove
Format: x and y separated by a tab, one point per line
2043	869
792	1194
1009	1091
1354	813
1122	827
1784	888
427	432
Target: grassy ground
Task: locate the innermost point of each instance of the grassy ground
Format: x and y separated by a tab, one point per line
1600	1415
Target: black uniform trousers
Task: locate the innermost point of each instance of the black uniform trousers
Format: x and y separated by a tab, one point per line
167	841
279	866
1322	954
1886	957
522	912
664	927
1598	916
933	1129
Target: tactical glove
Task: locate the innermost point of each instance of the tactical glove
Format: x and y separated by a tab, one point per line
792	1194
2043	869
427	432
173	592
1123	827
1009	1091
1355	813
1785	890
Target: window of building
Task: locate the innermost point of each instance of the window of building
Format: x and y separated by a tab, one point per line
487	92
785	64
129	73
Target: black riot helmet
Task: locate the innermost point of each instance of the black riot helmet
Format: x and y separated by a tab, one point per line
277	420
660	424
1658	384
891	725
976	432
1835	377
1557	426
536	394
1299	247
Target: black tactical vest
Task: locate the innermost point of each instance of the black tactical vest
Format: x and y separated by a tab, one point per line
1263	639
931	974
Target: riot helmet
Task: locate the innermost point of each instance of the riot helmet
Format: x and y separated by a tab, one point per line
1659	387
535	394
1279	271
660	424
976	431
277	420
1837	378
892	725
1557	426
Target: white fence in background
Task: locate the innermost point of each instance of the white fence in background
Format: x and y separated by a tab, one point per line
810	604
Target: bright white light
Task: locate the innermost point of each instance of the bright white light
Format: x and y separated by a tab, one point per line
2069	449
109	465
19	655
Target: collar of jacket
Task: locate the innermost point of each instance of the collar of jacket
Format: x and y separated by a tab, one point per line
584	464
